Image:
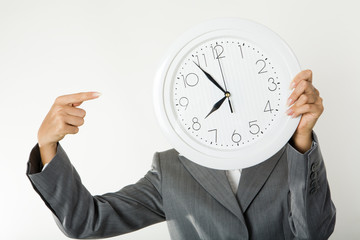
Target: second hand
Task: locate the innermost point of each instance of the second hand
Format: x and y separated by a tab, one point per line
222	74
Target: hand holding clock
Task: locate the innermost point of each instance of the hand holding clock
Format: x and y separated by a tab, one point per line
305	100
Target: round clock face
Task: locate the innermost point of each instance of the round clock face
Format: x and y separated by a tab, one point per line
248	100
221	94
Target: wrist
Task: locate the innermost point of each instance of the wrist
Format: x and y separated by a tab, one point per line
47	152
47	144
302	141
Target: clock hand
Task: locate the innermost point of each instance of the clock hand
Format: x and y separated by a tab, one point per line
222	74
230	105
211	78
216	106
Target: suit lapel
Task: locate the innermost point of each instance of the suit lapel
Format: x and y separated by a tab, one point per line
253	178
215	183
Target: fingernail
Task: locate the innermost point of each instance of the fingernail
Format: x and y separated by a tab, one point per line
289	102
292	86
289	112
96	94
293	115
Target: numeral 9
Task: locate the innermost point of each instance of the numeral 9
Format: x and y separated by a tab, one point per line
184	102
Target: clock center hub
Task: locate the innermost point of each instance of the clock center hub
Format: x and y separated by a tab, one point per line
227	94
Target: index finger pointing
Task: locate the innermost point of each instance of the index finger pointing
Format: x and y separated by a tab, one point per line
77	97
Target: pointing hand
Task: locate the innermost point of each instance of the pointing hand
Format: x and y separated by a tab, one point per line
63	118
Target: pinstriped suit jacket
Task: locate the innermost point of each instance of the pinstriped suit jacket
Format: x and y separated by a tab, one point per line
285	197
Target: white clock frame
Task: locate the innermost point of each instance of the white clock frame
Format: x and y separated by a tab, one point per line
274	139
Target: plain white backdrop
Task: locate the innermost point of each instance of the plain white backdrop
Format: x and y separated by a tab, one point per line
51	48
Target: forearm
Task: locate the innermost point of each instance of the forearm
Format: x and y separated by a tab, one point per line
81	215
47	152
312	211
60	187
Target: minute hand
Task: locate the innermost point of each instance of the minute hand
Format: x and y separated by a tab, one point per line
222	74
211	78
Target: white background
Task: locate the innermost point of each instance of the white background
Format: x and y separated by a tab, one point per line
51	48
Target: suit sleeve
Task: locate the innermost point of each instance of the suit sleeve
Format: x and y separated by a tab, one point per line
312	213
81	215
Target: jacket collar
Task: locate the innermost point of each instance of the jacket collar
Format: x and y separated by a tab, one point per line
253	179
216	183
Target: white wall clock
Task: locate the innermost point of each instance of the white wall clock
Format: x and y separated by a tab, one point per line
220	94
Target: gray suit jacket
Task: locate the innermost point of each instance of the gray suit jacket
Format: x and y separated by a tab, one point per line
285	197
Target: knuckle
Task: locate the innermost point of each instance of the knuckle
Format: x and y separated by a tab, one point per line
82	112
59	128
306	84
60	116
321	104
82	121
317	91
308	72
304	98
58	110
58	99
63	125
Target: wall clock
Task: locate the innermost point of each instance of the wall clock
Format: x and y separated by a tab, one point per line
220	94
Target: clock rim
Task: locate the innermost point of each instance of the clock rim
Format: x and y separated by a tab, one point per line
235	161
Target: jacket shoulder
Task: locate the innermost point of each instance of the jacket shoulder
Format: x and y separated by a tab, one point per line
168	155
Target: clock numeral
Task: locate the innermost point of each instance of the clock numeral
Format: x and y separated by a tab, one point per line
242	55
268	107
263	64
254	128
218	50
236	137
215	130
273	85
196	125
184	102
190	80
198	60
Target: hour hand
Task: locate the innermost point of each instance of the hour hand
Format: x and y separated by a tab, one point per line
216	106
211	78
